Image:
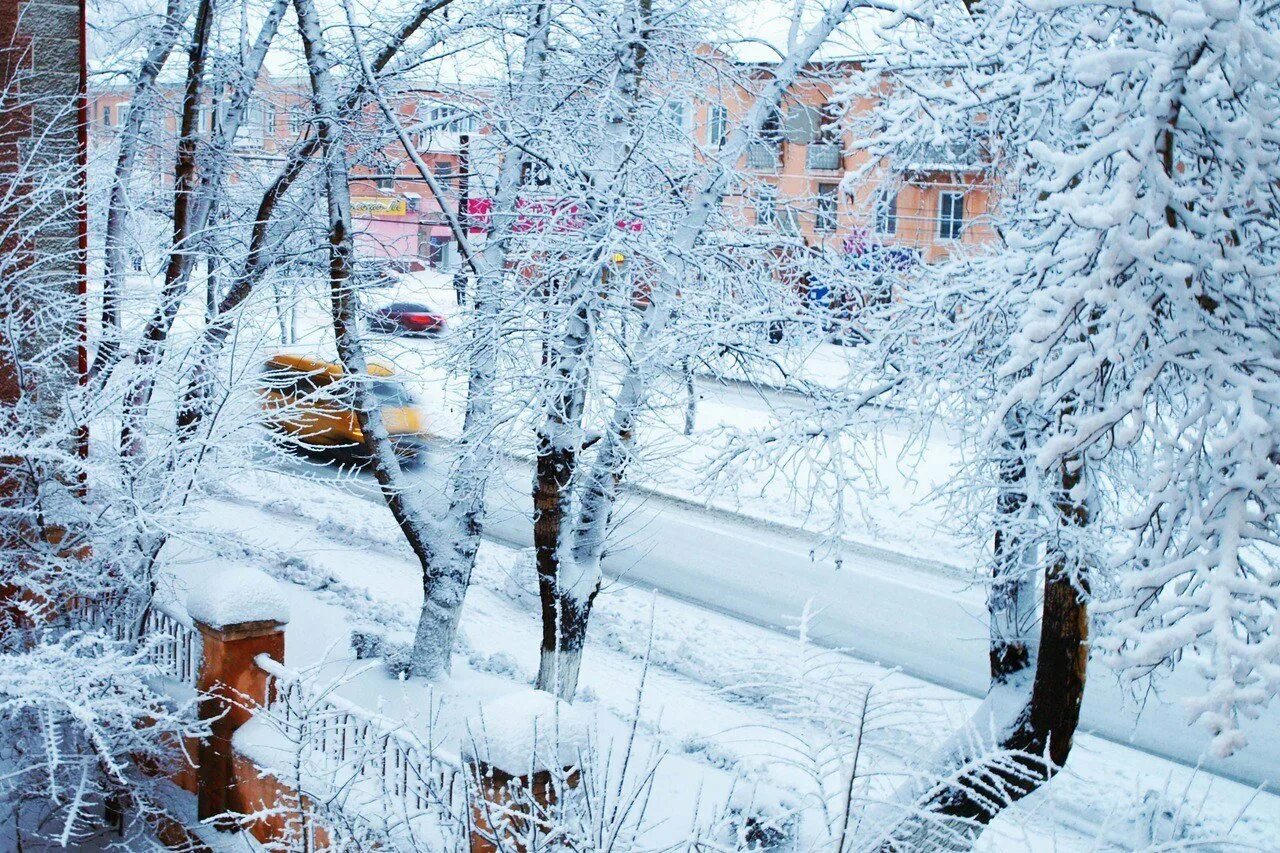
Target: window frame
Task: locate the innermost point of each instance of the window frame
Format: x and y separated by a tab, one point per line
766	192
299	117
951	226
886	212
717	119
827	221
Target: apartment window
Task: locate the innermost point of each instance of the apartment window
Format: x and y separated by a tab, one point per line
766	204
535	174
444	175
106	115
268	118
463	123
887	213
828	125
771	127
387	183
950	215
675	114
298	115
828	208
717	125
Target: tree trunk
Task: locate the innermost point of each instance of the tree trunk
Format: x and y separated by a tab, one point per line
115	263
1036	745
443	584
1010	599
564	632
196	398
157	329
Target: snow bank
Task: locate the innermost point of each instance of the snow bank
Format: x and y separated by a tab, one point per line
237	595
526	731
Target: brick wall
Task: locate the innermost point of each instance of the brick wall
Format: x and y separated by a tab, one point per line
41	124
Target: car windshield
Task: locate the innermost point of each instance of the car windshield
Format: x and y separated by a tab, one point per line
392	394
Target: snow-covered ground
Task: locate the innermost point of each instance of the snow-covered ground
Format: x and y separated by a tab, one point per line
727	704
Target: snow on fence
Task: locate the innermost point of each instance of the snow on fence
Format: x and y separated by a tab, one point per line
178	659
364	749
174	646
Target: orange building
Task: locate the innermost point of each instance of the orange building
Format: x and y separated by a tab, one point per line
797	194
396	215
797	189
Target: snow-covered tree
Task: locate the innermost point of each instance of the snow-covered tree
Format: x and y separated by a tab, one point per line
79	712
1114	350
629	263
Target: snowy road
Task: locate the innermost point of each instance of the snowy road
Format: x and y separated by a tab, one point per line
882	609
879	605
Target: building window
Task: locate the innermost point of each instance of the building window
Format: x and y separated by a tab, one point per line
535	174
412	202
298	116
887	213
828	209
950	215
387	183
462	123
444	175
828	125
717	125
771	127
766	204
106	115
268	118
675	115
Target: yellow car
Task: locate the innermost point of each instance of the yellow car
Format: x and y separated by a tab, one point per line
306	400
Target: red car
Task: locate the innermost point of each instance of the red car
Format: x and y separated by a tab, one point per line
412	319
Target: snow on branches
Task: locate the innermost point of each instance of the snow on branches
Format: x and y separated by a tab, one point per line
1135	286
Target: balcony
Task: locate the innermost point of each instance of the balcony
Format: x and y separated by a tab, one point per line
823	157
763	156
958	156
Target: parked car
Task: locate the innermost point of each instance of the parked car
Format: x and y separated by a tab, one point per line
308	401
410	319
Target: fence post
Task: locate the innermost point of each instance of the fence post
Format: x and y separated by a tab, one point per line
523	751
241	614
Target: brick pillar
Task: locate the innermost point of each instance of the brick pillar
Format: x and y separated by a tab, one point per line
507	801
528	732
231	684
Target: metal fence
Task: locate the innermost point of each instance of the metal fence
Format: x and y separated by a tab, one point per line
174	645
348	743
180	657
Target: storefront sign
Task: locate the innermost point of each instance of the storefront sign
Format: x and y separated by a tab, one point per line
378	206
